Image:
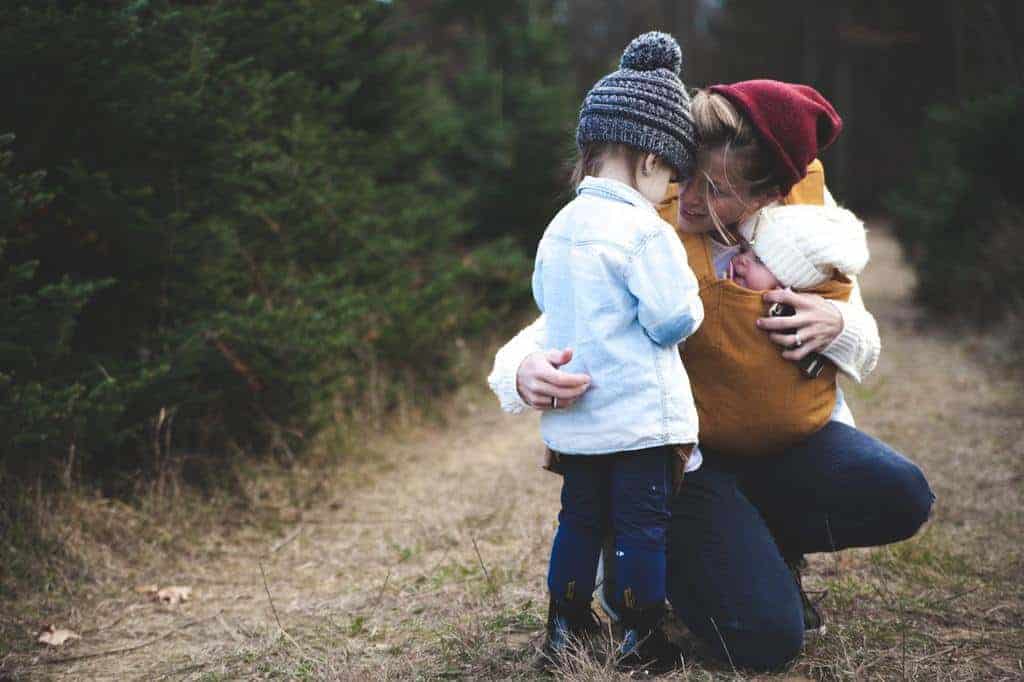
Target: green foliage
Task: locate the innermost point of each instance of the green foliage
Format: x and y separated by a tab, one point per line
516	110
46	396
961	219
251	212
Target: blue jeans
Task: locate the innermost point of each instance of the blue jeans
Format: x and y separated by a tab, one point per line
735	521
626	494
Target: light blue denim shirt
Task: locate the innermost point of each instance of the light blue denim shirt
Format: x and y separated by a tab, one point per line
612	279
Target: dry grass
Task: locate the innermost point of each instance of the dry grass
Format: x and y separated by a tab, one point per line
424	557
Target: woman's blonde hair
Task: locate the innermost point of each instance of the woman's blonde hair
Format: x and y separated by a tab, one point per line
748	165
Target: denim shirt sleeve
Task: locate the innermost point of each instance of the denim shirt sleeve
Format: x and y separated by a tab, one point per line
538	278
658	275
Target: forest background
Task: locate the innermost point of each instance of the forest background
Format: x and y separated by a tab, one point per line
228	227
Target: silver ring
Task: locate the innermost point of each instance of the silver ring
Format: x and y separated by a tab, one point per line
798	341
554	402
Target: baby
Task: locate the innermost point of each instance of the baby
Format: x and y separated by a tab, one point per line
750	272
815	249
807	246
799	247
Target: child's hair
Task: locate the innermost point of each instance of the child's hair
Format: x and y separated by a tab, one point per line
592	156
721	127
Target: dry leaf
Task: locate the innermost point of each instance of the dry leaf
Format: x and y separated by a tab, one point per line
174	594
56	636
171	595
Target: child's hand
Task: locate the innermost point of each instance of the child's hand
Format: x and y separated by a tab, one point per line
543	386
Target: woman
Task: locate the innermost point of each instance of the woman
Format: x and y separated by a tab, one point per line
740	526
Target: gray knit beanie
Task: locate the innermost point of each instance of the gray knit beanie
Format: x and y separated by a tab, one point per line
643	104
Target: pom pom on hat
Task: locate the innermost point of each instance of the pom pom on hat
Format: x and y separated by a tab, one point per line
653	50
643	104
803	245
795	122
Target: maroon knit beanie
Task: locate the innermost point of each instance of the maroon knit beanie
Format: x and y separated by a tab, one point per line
794	121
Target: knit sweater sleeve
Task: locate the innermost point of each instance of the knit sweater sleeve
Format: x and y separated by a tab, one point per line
855	351
507	360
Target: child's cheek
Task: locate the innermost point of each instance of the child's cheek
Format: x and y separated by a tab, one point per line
761	278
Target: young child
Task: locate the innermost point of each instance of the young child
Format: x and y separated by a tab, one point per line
612	279
806	248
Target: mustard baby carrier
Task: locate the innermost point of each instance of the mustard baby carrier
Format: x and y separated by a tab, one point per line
750	400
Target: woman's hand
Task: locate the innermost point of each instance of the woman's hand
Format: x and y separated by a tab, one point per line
539	380
817	323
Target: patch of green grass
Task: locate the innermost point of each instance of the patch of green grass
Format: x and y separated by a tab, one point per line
357	627
305	670
521	618
452	571
402	552
932	558
846	591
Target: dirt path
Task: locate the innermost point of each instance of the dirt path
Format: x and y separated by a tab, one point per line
428	559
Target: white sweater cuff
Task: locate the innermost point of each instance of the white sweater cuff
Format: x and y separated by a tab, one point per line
855	351
507	360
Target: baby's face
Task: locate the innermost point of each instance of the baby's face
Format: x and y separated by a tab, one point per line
750	273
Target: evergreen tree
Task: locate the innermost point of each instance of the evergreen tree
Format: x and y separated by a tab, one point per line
49	399
513	92
255	223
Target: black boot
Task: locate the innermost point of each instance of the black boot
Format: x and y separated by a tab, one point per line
569	623
645	644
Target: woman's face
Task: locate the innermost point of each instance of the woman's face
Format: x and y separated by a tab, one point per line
712	189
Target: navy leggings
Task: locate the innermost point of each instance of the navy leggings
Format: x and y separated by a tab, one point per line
626	494
735	521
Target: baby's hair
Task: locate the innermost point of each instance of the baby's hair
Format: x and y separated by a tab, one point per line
721	127
591	157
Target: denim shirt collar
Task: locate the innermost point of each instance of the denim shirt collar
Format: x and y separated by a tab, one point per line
606	188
